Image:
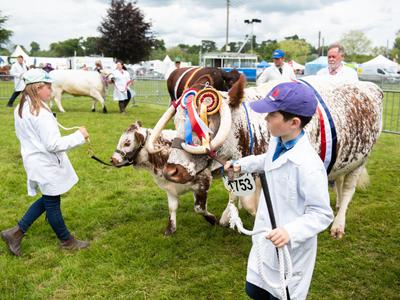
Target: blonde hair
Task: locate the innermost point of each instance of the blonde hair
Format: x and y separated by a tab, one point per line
31	91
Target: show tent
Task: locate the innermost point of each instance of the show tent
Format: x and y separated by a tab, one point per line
312	67
380	62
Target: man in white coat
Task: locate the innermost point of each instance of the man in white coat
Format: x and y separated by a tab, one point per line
279	70
298	186
336	70
17	70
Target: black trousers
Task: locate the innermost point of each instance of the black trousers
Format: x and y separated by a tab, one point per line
13	97
257	293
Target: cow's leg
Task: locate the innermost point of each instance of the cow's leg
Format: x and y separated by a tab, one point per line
224	220
172	207
338	189
95	94
347	192
57	99
250	203
200	207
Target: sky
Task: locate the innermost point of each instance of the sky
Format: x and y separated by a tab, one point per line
190	21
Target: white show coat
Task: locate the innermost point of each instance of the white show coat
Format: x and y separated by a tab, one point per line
272	73
298	187
17	71
121	79
345	74
43	151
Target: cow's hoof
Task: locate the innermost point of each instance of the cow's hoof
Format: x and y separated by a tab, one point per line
169	231
93	109
337	231
211	219
104	110
171	228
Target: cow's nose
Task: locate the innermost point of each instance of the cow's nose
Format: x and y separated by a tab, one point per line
114	161
169	171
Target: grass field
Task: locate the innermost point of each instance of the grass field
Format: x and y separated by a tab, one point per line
123	214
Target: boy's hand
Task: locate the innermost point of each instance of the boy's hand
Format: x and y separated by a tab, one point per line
279	237
229	163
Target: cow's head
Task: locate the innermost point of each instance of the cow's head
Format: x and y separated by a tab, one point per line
186	161
129	145
230	77
107	76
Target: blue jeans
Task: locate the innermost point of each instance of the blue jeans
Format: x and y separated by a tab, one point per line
50	205
257	293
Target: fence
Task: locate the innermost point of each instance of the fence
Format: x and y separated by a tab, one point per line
154	91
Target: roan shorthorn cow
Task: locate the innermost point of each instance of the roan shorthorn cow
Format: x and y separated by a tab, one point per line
194	77
130	150
81	83
343	131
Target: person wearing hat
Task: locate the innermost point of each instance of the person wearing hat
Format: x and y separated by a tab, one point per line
17	71
46	163
336	70
177	62
278	70
298	186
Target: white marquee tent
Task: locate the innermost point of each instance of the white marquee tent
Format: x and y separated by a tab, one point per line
381	62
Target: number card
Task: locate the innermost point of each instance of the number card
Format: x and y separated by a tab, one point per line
243	185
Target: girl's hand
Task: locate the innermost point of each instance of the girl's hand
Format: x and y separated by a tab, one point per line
84	132
279	237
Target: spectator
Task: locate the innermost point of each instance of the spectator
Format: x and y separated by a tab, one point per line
279	70
336	69
48	68
17	70
98	66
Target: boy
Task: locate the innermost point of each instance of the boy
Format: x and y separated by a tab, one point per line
298	185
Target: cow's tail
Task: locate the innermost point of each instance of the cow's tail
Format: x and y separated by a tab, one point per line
363	180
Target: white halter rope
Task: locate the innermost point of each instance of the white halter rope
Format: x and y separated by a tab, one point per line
90	148
283	253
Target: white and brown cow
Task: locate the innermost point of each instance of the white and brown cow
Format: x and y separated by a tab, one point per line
81	83
130	150
355	109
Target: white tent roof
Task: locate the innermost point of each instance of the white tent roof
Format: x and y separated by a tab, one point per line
167	60
381	62
296	66
18	51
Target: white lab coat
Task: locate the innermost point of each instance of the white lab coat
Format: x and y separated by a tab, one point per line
272	73
121	78
345	74
18	71
43	152
298	187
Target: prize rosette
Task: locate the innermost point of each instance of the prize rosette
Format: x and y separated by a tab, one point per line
209	97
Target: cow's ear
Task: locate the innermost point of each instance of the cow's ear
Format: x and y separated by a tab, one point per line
139	138
236	92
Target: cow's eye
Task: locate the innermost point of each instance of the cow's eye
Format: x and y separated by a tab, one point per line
127	144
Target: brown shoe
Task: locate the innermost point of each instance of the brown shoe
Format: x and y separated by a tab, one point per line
73	244
13	238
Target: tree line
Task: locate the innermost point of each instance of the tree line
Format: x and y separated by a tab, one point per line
125	35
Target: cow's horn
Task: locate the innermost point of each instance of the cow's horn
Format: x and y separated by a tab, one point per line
157	130
220	137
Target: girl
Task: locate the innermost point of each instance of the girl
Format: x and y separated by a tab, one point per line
46	164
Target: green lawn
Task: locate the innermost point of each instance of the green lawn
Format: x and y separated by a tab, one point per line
124	214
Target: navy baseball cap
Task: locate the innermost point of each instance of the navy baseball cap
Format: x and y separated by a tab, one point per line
278	54
292	97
